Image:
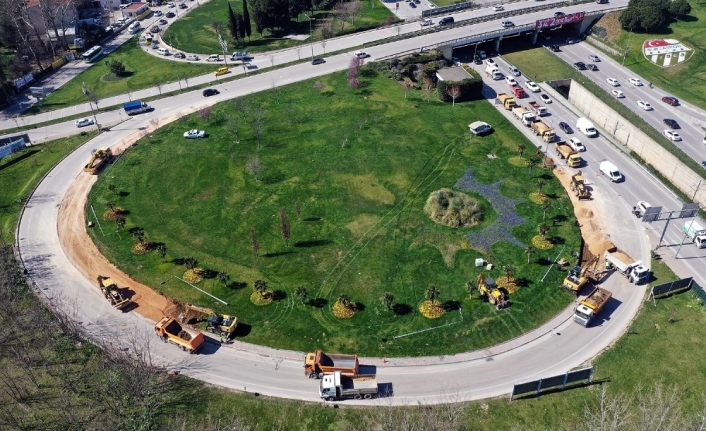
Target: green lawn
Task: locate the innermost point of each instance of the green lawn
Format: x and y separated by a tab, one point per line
193	32
361	164
145	71
20	174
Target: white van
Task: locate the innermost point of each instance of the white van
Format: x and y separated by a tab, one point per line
494	72
163	51
134	27
611	171
586	127
214	57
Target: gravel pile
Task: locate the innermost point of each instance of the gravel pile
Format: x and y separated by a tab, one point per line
507	218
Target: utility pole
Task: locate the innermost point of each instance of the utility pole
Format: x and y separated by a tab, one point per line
311	38
87	93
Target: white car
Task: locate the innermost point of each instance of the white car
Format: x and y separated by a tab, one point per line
192	57
576	144
193	134
545	98
594	58
490	62
533	87
515	71
617	94
612	81
498	8
158	13
644	105
672	135
427	21
636	82
510	80
361	54
81	122
455	61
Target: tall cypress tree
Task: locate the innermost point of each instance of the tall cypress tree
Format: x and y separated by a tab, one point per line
246	19
233	24
241	26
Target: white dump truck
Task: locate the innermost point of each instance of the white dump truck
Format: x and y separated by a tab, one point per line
695	232
336	386
633	270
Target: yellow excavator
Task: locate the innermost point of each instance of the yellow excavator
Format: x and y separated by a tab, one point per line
578	185
97	160
580	275
222	324
112	293
491	293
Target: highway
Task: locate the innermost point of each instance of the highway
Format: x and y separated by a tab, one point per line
554	348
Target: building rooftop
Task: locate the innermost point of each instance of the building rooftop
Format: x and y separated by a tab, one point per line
135	6
453	74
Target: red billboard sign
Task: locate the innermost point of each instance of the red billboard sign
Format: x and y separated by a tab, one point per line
569	18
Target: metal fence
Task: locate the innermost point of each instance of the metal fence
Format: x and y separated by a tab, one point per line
535	387
672	287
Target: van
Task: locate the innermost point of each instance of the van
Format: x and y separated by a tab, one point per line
446	20
163	51
611	171
586	127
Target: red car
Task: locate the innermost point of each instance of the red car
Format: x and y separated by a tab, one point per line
669	100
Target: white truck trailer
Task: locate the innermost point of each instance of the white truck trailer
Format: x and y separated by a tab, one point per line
633	270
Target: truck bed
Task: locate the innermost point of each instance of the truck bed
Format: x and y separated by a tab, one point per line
597	298
361	383
338	360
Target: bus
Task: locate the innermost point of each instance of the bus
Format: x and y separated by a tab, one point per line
93	54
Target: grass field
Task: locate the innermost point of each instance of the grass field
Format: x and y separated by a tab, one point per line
193	32
145	71
360	164
21	173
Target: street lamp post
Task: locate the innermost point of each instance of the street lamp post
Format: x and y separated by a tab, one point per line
311	38
87	92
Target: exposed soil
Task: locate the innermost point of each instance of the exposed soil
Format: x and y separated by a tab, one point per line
611	24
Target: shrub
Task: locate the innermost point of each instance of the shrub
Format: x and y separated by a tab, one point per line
453	209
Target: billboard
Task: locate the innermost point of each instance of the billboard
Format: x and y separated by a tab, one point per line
11	148
25	80
569	18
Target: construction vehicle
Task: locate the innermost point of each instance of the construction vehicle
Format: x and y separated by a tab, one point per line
591	306
507	101
317	364
491	293
564	151
518	91
337	386
538	109
112	293
542	129
97	160
578	186
580	275
523	115
170	331
631	269
222	324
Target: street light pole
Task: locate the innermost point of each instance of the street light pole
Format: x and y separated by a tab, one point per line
311	38
87	92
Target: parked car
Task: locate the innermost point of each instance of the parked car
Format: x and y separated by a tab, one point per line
565	127
170	14
183	6
171	5
671	135
555	48
533	87
636	82
669	100
612	81
644	105
617	94
580	65
82	122
545	98
154	29
163	21
210	92
412	5
671	123
594	58
194	134
158	13
318	61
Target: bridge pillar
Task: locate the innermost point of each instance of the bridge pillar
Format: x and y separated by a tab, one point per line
534	37
585	24
497	43
447	51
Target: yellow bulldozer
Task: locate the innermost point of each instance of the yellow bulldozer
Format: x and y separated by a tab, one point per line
222	324
491	293
97	160
580	275
112	293
578	186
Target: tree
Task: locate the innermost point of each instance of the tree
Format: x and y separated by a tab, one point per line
241	27
540	185
533	161
246	20
543	229
258	124
255	242
139	234
433	293
521	149
111	188
301	293
454	92
298	209
233	24
254	166
260	287
223	278
679	7
117	67
191	263
284	226
388	300
407	84
345	301
161	251
509	272
120	222
110	205
530	251
647	14
545	207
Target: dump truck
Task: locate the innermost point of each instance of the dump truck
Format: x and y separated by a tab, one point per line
170	331
538	109
523	115
518	91
542	129
564	151
338	386
580	275
222	324
591	306
578	186
693	229
507	101
98	159
491	293
112	293
317	364
631	269
136	107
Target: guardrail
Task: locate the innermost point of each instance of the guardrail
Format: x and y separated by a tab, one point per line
447	9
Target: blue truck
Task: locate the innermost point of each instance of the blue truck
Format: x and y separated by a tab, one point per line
136	107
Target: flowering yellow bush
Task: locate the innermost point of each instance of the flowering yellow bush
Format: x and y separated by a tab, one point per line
508	284
518	161
114	214
258	299
431	309
193	276
341	311
537	197
541	244
140	248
